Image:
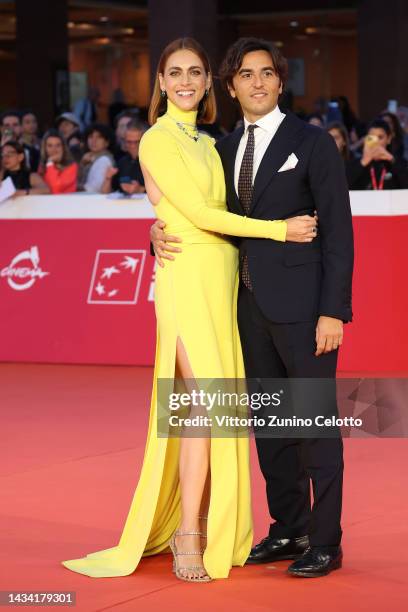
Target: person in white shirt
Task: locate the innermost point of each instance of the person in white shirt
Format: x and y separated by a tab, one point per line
98	159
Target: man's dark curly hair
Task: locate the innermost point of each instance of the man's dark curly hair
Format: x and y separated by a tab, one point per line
235	55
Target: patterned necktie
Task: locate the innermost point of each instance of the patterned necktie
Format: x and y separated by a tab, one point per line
245	190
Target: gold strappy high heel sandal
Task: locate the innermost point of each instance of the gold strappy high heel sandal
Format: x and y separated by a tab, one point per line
180	571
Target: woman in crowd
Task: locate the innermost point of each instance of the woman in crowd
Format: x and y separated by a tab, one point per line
57	165
29	129
349	118
186	480
14	166
339	132
378	168
98	160
397	133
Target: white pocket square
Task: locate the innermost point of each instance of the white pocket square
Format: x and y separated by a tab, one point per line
290	163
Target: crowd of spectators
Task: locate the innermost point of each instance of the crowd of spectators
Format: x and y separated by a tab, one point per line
77	154
81	154
375	156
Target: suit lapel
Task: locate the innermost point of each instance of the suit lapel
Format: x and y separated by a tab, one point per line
279	149
229	169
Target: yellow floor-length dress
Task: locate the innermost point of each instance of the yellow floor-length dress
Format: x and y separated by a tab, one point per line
195	300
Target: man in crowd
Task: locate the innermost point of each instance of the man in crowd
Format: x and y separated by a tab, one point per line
128	177
121	122
67	124
70	129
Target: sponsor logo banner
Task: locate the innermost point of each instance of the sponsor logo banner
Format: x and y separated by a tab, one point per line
116	276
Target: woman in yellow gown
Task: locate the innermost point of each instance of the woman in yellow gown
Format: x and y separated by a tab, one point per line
195	301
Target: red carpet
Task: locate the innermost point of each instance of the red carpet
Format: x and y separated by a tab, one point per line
72	444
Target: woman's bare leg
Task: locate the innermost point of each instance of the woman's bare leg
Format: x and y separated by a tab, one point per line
194	464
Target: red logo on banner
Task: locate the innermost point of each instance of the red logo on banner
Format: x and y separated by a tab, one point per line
116	277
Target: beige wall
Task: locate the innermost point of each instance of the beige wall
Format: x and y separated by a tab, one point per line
109	68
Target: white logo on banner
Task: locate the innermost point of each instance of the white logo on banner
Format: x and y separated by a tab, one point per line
116	276
24	277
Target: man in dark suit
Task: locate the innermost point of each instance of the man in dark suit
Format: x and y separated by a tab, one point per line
293	297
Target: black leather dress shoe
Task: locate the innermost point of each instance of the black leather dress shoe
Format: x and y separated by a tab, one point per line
277	549
317	561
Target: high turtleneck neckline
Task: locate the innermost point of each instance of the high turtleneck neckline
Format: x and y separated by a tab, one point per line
176	113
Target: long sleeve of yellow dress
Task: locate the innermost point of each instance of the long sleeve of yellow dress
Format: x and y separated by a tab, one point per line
160	155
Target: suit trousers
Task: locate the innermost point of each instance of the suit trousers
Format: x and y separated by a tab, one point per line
289	465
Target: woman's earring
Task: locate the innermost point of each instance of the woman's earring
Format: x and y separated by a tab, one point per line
163	93
206	93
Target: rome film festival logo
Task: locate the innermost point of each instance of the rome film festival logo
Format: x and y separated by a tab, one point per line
116	276
21	277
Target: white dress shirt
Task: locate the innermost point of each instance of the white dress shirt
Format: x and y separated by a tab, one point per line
266	130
